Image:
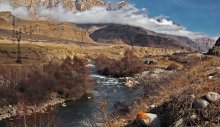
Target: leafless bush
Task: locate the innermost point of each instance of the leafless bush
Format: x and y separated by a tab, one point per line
172	67
36	88
73	77
34	84
129	65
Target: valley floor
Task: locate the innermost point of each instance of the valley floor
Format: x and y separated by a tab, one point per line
169	95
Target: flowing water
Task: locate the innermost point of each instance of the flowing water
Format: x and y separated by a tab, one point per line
105	88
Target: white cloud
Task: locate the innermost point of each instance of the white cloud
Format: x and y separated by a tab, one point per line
130	16
21	12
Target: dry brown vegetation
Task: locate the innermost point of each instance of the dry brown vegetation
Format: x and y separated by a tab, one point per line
129	65
174	94
34	84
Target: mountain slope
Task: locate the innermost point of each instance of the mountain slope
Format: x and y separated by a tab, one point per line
205	43
65	31
137	36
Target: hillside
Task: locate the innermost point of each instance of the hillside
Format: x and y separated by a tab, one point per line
39	30
124	34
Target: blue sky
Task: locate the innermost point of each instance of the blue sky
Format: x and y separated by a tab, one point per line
195	15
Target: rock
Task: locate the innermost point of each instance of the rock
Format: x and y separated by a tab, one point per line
200	104
152	106
150	61
179	123
130	82
194	116
193	96
210	77
121	107
64	105
212	96
88	95
146	120
13	112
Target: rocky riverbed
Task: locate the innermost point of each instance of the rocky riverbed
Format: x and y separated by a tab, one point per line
19	110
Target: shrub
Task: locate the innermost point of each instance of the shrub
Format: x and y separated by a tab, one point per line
72	76
33	85
7	93
127	66
36	88
172	67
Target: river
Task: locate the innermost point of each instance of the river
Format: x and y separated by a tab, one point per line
105	88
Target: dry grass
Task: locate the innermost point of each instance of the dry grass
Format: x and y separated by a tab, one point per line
173	94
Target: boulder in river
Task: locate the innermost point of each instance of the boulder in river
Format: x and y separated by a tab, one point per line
144	119
131	82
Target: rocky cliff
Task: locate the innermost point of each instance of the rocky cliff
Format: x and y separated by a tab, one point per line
205	43
216	49
71	5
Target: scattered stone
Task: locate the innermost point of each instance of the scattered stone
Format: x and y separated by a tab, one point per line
88	95
194	116
212	96
150	61
200	104
179	123
193	96
146	120
64	105
131	82
152	106
13	112
211	77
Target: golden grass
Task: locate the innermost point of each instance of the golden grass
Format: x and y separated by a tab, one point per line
191	80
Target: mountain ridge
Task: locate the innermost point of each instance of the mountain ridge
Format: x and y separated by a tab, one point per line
137	36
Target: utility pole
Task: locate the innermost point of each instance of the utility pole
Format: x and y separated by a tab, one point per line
18	37
13	29
31	31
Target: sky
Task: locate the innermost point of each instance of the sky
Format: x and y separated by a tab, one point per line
196	15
